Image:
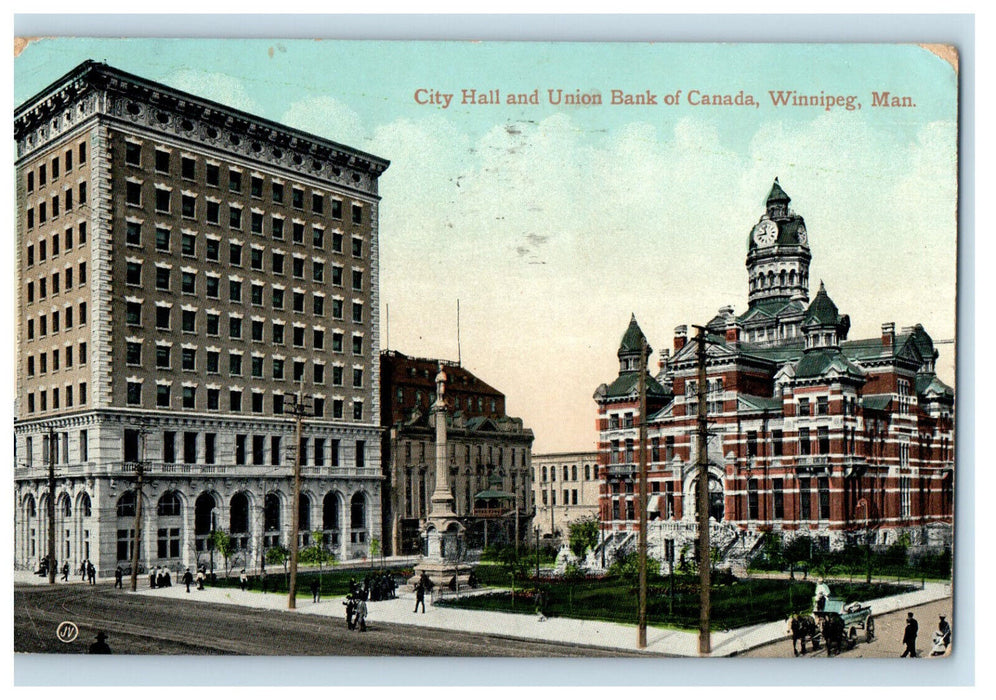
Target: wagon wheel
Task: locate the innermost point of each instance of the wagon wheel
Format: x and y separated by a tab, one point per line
870	629
852	638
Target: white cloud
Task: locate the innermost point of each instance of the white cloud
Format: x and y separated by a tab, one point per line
218	87
328	117
551	237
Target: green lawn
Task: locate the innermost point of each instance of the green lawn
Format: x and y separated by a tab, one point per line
737	604
334	582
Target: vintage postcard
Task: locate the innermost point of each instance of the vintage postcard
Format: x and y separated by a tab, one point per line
484	349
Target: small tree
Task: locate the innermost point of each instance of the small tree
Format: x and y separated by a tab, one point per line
376	550
514	566
583	535
222	542
317	553
573	575
628	568
278	554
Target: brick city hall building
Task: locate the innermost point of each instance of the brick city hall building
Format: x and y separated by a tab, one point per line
809	432
181	268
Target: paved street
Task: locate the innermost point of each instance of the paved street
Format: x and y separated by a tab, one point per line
888	642
142	624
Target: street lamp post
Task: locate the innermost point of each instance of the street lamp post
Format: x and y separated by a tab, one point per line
863	503
51	504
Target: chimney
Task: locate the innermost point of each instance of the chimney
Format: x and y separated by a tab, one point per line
664	360
680	337
732	332
888	334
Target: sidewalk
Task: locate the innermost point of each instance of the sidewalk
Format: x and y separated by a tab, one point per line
607	635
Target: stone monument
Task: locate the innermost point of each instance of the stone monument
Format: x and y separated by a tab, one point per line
443	531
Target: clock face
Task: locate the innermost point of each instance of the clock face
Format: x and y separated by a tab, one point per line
765	232
802	235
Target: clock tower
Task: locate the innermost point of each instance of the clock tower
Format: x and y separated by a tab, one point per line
778	253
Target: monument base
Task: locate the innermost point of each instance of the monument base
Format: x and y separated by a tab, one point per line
443	574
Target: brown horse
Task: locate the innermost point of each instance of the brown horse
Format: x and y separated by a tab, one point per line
832	631
802	628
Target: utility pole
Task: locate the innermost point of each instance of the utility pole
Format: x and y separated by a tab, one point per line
642	504
702	431
517	519
51	504
298	409
537	553
139	475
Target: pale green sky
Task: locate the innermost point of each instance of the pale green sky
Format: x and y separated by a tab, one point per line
552	224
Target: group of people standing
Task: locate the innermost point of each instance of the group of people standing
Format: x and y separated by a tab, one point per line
159	577
86	571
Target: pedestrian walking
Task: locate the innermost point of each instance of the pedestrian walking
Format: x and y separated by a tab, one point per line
419	597
540	602
100	646
91	573
152	577
361	614
119	578
316	591
187	579
350	604
243	579
65	571
200	579
83	571
909	636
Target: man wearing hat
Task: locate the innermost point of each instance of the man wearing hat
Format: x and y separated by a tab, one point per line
100	646
909	636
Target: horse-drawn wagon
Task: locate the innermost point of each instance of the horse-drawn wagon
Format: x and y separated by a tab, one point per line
833	623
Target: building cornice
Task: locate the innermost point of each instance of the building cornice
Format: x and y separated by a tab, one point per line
97	89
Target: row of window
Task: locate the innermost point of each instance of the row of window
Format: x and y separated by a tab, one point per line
134	230
163	204
482	457
236	325
163	163
589	469
189	398
191	447
212	361
551	498
429	398
67	244
57	281
67	354
42	404
66	160
67	206
65	324
212	286
60	446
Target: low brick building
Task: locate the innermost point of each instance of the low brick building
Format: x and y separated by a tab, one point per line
488	451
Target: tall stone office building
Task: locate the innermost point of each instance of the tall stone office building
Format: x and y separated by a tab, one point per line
181	268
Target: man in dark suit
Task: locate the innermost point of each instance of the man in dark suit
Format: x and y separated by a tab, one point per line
909	636
100	646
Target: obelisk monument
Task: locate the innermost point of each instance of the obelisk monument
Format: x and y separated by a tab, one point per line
443	531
